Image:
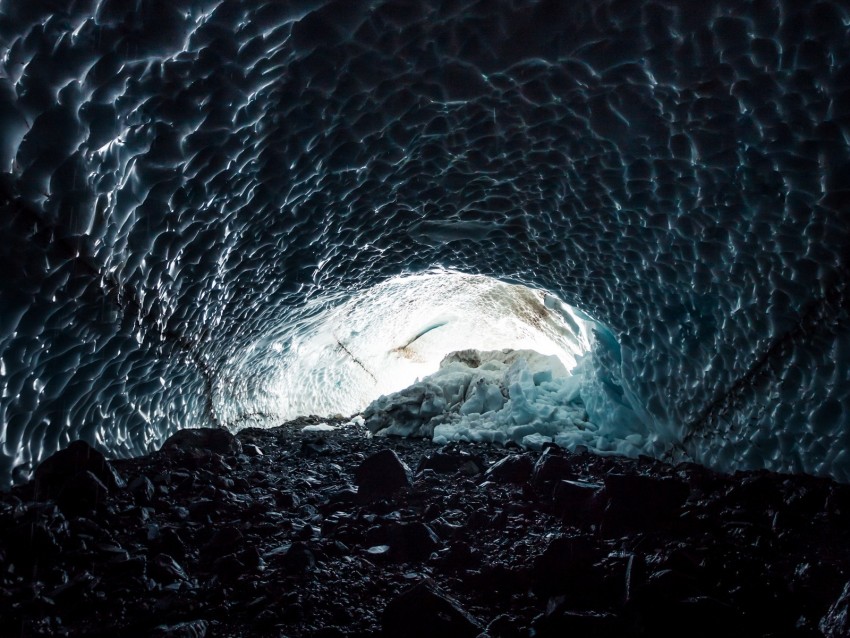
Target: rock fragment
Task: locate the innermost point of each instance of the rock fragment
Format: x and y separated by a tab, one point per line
514	468
252	450
142	489
637	502
412	541
298	558
83	493
566	565
446	462
552	466
559	621
188	629
423	611
167	569
578	502
836	621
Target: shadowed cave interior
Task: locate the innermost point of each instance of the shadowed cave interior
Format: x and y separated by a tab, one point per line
223	214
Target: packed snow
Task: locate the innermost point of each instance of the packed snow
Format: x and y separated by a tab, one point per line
505	395
382	339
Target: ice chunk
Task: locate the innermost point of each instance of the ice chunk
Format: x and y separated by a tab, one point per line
318	427
485	397
535	441
508	395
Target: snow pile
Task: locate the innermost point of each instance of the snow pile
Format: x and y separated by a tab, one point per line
500	396
354	350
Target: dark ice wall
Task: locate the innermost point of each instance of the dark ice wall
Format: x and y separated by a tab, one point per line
180	177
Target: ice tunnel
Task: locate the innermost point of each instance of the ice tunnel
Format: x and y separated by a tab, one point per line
186	184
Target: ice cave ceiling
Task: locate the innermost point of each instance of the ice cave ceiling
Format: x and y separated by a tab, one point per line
185	181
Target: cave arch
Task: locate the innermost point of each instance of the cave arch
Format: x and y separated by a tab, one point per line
178	177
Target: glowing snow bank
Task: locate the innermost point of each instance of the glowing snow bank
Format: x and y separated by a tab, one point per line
382	339
506	395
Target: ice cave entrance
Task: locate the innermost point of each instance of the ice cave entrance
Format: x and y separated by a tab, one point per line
382	339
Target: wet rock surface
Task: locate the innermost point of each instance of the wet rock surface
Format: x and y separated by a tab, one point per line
292	533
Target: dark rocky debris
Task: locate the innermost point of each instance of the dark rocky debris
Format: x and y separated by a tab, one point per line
201	441
329	534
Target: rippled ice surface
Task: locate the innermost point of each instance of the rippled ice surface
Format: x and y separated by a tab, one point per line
185	183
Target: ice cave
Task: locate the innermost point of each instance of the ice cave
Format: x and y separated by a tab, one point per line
231	213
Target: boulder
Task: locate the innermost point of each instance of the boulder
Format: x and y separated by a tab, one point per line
381	474
59	469
201	440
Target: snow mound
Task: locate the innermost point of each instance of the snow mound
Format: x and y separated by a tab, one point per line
500	396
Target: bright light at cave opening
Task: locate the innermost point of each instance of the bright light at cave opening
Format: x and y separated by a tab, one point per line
384	338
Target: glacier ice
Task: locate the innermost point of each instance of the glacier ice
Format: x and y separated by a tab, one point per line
503	396
380	339
191	189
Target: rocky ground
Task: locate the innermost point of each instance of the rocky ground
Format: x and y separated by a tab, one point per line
288	533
